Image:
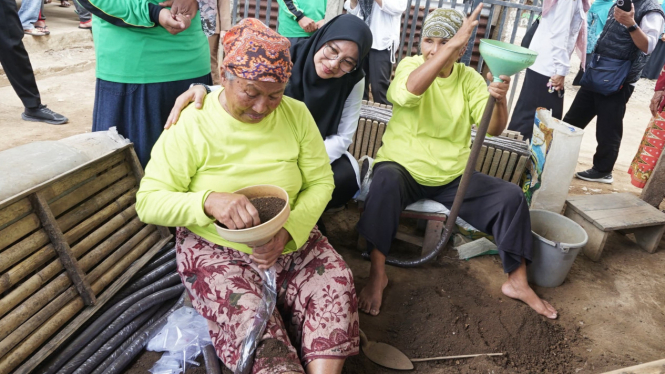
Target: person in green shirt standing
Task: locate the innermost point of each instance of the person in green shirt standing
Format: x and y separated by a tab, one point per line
298	19
147	54
426	148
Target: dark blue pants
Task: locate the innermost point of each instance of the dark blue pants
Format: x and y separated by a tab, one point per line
491	205
139	111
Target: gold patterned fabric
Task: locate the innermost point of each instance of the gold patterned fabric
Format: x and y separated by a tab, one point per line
255	52
442	23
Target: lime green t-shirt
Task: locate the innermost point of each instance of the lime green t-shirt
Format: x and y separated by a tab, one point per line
142	51
289	10
209	150
430	134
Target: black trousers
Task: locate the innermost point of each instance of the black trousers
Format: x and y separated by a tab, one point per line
13	56
378	70
609	124
534	94
491	205
346	184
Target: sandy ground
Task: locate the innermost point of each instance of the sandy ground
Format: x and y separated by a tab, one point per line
612	311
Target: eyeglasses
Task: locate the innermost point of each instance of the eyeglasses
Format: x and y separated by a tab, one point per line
333	54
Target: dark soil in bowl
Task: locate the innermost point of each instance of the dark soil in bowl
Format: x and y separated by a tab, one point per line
268	207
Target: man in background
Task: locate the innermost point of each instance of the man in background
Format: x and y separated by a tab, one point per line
382	17
16	63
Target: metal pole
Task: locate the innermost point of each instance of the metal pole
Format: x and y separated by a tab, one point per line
414	22
404	27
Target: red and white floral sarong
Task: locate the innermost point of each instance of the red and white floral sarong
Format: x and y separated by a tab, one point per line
316	314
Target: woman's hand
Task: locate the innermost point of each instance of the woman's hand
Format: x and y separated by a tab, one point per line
195	94
266	255
656	103
499	90
463	35
558	82
232	210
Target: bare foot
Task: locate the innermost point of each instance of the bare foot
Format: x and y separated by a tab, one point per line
523	292
372	294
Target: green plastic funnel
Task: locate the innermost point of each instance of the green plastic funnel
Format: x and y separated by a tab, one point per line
505	58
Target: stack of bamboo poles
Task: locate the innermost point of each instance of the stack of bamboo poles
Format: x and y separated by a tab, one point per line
502	156
67	246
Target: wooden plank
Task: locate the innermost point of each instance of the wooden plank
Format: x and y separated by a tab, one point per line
433	233
18	229
590	203
83	192
512	161
488	160
364	102
410	238
40	206
365	141
138	172
520	137
502	165
372	138
626	218
648	238
80	319
495	162
359	137
14	211
652	367
426	216
519	170
597	237
377	105
481	158
379	139
654	191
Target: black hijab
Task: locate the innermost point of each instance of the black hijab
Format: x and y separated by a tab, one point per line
325	98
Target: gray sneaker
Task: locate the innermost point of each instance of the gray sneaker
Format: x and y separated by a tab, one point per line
43	114
592	175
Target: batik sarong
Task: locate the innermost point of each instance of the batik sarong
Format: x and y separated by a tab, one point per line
649	151
316	315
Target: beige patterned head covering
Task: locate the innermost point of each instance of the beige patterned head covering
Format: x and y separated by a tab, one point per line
442	23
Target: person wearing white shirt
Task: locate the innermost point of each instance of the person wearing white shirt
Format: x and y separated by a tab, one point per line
383	18
629	36
560	31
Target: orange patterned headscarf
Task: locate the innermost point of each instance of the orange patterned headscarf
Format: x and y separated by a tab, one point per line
255	52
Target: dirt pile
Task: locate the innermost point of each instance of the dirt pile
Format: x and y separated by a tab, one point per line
268	207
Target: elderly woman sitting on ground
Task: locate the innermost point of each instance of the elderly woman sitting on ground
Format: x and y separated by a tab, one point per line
246	134
425	149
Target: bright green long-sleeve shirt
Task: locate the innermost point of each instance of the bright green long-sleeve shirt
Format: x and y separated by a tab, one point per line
430	134
208	150
291	11
131	46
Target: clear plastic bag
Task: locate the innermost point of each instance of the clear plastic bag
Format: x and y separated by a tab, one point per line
263	313
183	336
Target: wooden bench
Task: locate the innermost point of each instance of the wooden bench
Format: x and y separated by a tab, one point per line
503	157
622	212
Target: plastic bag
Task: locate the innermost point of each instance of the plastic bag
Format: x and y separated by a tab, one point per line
263	313
183	336
555	147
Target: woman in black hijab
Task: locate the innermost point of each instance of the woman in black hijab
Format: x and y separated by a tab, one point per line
328	77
